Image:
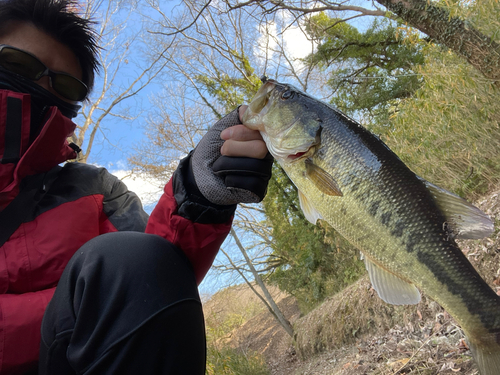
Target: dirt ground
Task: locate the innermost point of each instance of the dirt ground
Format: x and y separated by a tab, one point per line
420	339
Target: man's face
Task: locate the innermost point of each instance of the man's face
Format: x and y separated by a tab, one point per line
55	55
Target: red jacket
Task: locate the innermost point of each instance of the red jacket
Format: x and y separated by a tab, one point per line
83	202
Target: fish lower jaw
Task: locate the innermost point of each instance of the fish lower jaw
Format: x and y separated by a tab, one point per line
300	155
288	155
296	156
287	158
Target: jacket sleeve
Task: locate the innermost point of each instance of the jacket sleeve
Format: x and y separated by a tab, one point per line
189	221
22	316
122	209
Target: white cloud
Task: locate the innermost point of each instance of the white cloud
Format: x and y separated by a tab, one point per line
149	190
296	42
282	35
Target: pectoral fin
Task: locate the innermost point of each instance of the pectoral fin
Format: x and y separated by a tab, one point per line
308	209
322	179
463	220
390	288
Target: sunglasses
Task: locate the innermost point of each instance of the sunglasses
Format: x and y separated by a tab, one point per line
27	65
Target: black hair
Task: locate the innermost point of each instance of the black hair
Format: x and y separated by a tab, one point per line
57	18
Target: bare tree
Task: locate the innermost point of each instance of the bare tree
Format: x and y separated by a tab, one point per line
217	52
174	126
125	69
219	45
267	299
211	68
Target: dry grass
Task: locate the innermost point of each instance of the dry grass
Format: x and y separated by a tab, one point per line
232	307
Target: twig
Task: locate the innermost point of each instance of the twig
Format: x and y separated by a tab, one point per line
421	346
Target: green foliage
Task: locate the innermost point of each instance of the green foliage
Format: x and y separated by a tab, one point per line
449	133
227	361
226	311
432	108
484	15
371	71
229	91
219	329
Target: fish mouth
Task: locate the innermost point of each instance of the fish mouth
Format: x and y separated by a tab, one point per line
296	156
259	105
301	154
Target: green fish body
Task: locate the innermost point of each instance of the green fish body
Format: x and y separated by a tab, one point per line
403	225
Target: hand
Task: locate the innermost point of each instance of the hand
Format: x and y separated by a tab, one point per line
242	141
231	163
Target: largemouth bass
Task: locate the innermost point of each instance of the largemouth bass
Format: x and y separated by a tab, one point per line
404	226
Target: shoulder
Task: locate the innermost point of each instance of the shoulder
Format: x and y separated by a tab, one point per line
88	177
76	169
76	180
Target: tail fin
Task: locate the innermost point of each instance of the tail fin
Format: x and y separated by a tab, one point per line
487	357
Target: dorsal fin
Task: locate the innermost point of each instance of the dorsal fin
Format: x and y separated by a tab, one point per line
463	220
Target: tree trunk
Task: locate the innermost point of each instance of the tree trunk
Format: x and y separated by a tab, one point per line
273	308
478	49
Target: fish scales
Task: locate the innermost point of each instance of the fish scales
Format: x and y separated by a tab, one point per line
377	203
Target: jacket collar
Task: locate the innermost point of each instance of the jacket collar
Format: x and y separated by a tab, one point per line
20	157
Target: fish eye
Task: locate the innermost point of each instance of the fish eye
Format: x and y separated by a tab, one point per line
287	94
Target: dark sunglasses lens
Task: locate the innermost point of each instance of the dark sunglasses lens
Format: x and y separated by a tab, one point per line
21	63
69	87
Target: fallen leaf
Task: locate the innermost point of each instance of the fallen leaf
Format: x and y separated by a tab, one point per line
463	344
399	362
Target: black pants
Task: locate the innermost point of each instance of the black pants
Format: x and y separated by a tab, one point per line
127	303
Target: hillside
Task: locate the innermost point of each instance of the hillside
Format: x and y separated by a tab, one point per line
354	332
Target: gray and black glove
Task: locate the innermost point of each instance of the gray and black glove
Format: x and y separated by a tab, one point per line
226	180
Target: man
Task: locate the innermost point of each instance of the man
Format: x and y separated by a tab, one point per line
126	302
